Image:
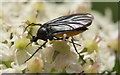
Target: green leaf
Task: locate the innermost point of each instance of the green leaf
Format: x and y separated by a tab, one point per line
5	42
7	63
53	70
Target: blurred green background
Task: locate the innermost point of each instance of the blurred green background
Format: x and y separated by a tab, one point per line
114	6
101	7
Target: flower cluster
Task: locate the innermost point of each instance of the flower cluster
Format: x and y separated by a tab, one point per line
96	46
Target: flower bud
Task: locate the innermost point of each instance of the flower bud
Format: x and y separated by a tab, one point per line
35	65
91	46
21	43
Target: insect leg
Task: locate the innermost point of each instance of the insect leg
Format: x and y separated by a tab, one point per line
36	51
74	43
67	40
77	51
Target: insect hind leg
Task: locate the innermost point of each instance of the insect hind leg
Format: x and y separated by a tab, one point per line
77	51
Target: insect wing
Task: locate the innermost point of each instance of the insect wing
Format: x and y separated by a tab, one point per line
83	20
65	26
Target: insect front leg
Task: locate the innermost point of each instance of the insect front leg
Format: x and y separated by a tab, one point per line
36	51
31	24
77	51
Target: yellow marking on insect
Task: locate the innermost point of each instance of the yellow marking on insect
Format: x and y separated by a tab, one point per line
70	33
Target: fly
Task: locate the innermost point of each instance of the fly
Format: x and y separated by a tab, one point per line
55	29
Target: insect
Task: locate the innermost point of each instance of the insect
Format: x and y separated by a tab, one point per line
55	29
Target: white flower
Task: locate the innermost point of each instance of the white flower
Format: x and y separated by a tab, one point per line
15	68
35	65
56	56
60	57
106	58
6	53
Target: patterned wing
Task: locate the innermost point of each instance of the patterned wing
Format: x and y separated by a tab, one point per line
73	20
